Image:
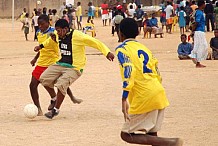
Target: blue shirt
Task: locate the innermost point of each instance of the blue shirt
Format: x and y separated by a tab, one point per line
153	21
90	11
199	18
185	49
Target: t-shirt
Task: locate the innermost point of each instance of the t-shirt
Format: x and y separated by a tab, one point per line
214	42
199	18
104	8
168	11
72	48
35	20
131	13
90	11
153	21
79	11
141	80
50	54
184	49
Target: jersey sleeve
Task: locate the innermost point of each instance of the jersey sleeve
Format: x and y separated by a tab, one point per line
127	71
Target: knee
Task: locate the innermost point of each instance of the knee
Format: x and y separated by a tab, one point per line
126	137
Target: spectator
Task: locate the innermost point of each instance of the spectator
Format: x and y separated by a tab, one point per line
185	48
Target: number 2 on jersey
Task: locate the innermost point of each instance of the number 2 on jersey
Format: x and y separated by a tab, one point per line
146	58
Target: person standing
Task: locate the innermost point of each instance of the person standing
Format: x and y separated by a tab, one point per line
199	51
182	21
169	14
62	8
209	10
188	11
214	45
194	6
104	13
79	15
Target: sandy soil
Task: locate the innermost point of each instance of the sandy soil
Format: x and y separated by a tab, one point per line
192	93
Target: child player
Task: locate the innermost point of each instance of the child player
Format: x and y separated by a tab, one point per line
46	57
142	87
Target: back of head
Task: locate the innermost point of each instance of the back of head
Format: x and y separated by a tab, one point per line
62	23
193	2
139	6
44	17
200	3
129	28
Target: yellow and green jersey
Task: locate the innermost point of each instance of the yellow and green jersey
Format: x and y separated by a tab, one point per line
141	79
72	48
50	54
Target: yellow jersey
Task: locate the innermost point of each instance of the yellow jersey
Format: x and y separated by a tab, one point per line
50	54
72	48
141	79
79	11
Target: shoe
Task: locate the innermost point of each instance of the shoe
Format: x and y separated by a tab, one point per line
51	114
52	104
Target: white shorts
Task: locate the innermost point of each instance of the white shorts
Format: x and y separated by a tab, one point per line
110	15
147	122
104	16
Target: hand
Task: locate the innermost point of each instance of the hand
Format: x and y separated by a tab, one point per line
110	56
32	62
125	108
53	37
37	48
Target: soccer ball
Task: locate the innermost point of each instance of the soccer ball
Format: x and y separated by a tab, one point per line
39	2
30	111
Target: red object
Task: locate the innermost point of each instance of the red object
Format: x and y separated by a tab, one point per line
38	71
119	7
104	8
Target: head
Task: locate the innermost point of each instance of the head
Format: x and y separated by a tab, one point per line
131	6
183	38
187	3
139	6
217	4
78	3
216	33
64	12
27	15
201	4
128	29
54	11
105	2
146	16
43	22
193	2
90	4
49	11
153	15
24	9
64	3
62	28
181	8
44	10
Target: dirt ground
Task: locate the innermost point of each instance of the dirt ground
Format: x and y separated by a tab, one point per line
192	114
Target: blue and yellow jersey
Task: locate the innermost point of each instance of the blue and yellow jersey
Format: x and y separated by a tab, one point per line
141	79
72	48
50	54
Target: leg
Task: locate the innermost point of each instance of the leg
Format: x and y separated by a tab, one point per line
34	94
26	36
53	96
207	22
73	98
105	22
145	139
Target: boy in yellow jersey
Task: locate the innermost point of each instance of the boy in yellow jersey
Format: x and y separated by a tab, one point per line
22	17
79	15
70	67
142	87
46	57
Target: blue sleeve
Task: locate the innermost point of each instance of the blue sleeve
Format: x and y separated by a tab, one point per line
180	51
198	16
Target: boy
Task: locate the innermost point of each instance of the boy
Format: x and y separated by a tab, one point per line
79	15
142	87
214	45
184	49
26	26
46	57
70	67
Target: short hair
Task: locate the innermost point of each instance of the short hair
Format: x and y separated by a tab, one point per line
193	2
184	35
182	8
216	4
79	3
44	17
200	2
129	28
62	23
54	11
139	6
186	3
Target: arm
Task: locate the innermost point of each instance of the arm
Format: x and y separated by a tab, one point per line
94	43
33	61
180	51
212	47
46	43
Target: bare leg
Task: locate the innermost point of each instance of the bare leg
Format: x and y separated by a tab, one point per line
52	94
73	98
105	22
145	139
34	94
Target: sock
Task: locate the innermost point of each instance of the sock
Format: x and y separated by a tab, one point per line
54	98
57	110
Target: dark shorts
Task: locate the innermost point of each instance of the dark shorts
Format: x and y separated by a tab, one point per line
140	24
38	71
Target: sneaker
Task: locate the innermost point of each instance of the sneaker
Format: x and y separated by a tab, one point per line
51	114
52	104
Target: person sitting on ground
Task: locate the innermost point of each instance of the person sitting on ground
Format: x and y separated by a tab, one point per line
214	45
185	48
156	30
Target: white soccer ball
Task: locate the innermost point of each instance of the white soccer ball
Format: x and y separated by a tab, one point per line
39	2
30	111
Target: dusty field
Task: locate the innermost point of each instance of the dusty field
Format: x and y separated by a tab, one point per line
192	92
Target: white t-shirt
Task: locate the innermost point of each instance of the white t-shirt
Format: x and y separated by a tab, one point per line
131	13
35	20
168	11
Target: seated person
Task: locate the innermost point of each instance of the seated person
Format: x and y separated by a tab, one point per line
155	29
214	45
185	48
147	26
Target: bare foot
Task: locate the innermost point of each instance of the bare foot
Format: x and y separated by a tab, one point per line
200	66
40	113
76	100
